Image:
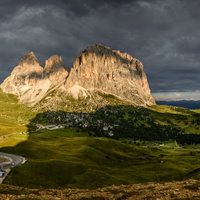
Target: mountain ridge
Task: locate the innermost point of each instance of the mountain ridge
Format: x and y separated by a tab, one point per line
189	104
95	68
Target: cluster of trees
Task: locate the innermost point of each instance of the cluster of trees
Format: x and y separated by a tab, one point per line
131	122
121	122
191	139
138	124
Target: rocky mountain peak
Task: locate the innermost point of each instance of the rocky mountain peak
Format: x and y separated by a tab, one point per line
55	68
98	49
29	58
31	82
96	69
26	74
53	63
99	67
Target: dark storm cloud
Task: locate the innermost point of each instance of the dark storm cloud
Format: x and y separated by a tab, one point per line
164	35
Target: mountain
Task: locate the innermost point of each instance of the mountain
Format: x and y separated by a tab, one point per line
111	71
97	72
25	75
31	81
189	104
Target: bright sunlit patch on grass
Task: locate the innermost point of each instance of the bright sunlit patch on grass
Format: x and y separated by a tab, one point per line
13	140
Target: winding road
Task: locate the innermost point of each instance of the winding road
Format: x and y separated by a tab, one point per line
14	160
11	161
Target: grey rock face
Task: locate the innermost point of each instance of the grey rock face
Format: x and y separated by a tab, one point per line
96	68
55	68
31	82
27	74
113	72
29	59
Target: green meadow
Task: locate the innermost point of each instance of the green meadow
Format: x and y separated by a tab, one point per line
182	118
67	158
72	158
13	140
13	116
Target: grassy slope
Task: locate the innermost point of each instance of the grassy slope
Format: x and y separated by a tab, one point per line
12	114
176	116
65	158
197	111
71	159
13	140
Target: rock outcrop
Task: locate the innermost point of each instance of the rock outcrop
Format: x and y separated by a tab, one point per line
31	81
25	75
55	69
97	68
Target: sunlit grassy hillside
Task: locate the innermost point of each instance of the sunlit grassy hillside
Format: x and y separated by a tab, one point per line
182	118
13	116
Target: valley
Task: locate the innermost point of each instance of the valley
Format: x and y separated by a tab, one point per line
75	160
64	160
77	137
114	137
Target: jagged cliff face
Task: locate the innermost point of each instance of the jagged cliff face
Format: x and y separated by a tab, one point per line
27	73
97	68
55	69
31	81
111	71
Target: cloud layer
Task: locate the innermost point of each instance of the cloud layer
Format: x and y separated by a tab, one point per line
164	35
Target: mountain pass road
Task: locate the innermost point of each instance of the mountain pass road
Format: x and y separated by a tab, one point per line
11	161
14	160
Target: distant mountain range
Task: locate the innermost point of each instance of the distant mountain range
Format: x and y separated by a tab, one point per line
189	104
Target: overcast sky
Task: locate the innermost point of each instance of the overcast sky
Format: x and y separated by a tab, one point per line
163	34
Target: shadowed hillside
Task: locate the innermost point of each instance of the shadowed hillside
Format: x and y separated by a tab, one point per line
138	123
80	155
